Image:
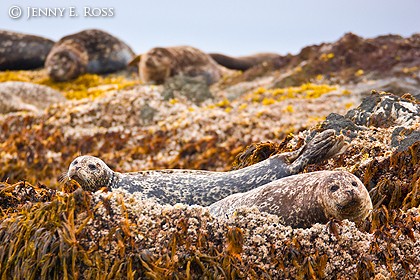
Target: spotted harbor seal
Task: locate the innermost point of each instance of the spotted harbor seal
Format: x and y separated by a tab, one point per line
243	62
88	51
202	187
158	64
304	199
22	51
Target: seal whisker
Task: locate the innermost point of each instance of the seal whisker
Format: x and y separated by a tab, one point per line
63	178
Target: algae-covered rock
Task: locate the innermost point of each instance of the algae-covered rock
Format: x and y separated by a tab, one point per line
117	234
192	88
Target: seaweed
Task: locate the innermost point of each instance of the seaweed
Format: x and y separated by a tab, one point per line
87	85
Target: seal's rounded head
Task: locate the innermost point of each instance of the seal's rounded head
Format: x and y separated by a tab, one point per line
155	65
90	172
66	62
345	197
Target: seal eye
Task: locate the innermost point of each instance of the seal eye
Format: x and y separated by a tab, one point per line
92	167
75	162
354	184
334	188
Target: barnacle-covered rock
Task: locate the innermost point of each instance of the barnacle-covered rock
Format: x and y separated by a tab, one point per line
384	110
21	96
123	236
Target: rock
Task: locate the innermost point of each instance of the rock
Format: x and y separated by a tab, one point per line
22	96
402	137
192	88
385	110
341	124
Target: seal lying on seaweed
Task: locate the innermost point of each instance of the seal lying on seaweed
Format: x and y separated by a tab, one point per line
304	199
203	187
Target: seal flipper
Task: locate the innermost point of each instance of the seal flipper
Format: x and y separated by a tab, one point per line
323	146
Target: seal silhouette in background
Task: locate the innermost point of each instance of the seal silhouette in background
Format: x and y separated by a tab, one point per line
158	64
203	187
88	51
243	62
22	51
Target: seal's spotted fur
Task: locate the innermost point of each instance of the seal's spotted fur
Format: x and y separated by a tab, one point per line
158	64
88	51
202	187
22	51
304	199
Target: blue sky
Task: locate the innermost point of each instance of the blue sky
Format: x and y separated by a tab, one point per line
233	27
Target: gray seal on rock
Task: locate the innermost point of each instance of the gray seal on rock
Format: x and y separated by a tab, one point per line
88	51
203	187
159	63
304	199
20	51
243	62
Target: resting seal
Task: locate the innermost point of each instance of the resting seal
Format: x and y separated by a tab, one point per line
158	64
243	62
22	52
202	187
89	51
304	199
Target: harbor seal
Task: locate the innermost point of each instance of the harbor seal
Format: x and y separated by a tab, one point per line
88	51
202	187
243	62
20	51
304	199
159	63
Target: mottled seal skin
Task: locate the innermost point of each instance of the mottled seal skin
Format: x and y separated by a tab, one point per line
304	199
202	187
158	64
88	51
243	62
22	51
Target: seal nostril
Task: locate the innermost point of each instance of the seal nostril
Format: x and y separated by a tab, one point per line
350	192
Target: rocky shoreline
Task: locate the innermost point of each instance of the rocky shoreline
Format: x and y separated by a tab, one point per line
54	231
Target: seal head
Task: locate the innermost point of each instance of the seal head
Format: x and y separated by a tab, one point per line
156	65
67	61
344	197
90	172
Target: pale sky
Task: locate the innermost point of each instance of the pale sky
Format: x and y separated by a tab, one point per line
236	27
